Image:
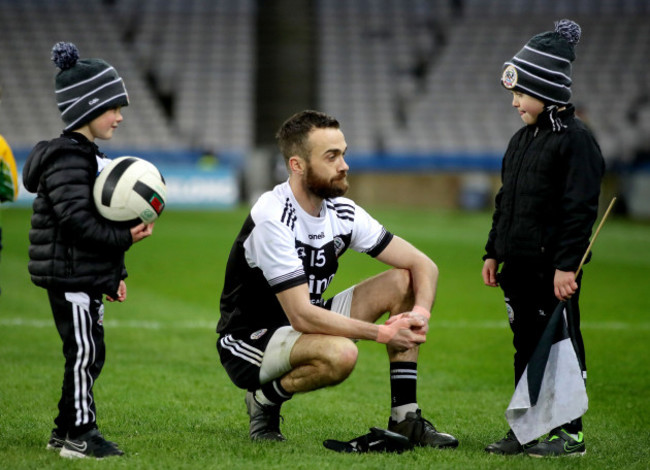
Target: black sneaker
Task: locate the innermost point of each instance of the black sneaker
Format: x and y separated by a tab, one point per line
264	420
421	432
90	444
377	440
56	441
509	445
559	442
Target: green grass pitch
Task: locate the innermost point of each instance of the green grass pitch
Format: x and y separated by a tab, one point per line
165	399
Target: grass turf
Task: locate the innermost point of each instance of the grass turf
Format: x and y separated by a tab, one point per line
165	399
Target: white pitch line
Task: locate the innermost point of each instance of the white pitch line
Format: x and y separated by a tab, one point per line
202	325
495	325
132	324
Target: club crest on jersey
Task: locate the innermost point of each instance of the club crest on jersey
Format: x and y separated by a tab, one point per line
509	77
339	246
258	334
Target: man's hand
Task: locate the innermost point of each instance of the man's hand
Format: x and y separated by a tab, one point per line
401	333
419	313
565	284
141	231
490	272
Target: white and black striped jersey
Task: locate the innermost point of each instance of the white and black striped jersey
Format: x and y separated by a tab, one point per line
281	246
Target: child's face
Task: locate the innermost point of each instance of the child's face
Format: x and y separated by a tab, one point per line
102	126
529	108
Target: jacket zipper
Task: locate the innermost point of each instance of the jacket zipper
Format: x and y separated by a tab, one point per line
68	262
516	181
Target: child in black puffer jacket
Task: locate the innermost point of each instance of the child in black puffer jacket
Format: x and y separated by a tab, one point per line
75	254
544	213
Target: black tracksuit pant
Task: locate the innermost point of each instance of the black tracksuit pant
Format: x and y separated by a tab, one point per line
79	320
530	301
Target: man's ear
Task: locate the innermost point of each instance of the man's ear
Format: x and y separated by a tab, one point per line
297	164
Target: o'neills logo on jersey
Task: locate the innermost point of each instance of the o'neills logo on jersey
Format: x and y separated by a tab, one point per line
318	236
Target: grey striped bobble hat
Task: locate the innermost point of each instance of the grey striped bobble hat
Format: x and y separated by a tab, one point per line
85	88
542	68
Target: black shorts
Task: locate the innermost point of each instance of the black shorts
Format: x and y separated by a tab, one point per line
242	356
242	352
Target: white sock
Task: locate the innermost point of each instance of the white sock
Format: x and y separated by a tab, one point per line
398	413
261	398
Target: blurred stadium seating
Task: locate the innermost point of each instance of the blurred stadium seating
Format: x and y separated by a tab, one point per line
419	76
405	77
196	54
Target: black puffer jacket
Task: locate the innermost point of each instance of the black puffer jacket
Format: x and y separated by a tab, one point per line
71	246
548	201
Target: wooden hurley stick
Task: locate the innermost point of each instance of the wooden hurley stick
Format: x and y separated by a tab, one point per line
591	243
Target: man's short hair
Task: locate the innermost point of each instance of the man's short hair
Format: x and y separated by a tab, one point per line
293	134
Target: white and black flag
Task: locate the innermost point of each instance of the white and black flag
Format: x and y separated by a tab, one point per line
551	391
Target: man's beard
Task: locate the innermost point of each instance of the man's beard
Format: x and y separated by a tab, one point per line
324	188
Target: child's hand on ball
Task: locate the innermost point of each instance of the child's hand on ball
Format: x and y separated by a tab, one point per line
141	231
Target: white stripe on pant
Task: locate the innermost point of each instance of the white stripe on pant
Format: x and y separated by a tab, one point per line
85	355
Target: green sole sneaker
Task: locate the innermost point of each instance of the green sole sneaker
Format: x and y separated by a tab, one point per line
559	443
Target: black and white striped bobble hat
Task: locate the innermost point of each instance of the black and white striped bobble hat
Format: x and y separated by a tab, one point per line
543	67
85	88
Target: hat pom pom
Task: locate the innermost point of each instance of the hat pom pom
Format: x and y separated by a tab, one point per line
65	55
569	30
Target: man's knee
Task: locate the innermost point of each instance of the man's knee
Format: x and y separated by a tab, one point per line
340	359
390	291
403	283
403	280
321	361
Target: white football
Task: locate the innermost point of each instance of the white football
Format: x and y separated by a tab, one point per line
130	190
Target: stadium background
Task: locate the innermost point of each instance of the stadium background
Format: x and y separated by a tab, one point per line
415	84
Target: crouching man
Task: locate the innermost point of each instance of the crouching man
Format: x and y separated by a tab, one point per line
278	336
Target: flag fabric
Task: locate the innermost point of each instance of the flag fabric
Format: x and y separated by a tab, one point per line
8	173
551	391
